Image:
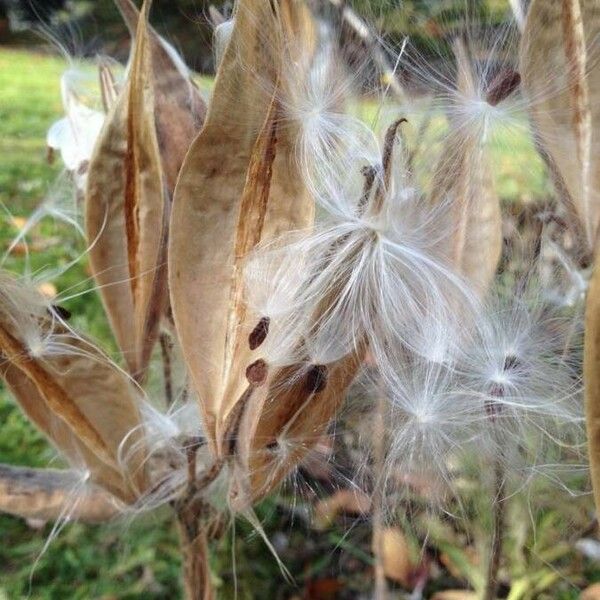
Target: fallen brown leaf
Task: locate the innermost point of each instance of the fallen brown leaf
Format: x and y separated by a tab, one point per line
351	502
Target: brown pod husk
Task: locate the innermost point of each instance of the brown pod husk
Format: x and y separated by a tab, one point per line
559	38
179	108
299	400
591	377
239	186
46	494
82	402
462	178
126	214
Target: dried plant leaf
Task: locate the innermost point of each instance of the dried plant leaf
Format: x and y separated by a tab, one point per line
398	563
462	178
126	215
566	107
238	186
47	494
83	403
178	106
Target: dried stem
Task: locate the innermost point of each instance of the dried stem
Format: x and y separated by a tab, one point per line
359	28
498	522
47	494
194	518
381	589
576	54
194	547
498	506
166	349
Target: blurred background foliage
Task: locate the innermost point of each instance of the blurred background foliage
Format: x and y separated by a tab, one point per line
86	27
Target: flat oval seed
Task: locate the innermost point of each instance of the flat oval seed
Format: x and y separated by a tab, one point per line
316	379
502	86
259	333
256	373
61	312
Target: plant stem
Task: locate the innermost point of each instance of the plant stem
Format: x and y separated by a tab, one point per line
193	518
498	518
381	590
194	548
166	348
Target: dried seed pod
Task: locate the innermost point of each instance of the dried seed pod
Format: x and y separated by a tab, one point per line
462	178
239	186
561	38
126	214
179	108
83	403
294	409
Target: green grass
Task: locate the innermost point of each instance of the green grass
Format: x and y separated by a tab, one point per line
140	559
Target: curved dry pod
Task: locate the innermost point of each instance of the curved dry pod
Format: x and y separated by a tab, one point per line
284	417
127	214
565	107
70	390
462	180
239	186
179	108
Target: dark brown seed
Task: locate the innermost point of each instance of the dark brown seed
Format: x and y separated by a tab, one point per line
502	86
259	333
316	379
256	373
61	312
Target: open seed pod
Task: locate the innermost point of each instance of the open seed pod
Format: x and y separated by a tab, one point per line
566	115
131	180
179	109
239	186
85	405
561	39
462	180
287	409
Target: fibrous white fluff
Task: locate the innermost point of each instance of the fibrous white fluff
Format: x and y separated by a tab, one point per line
505	391
372	270
459	376
167	438
75	135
